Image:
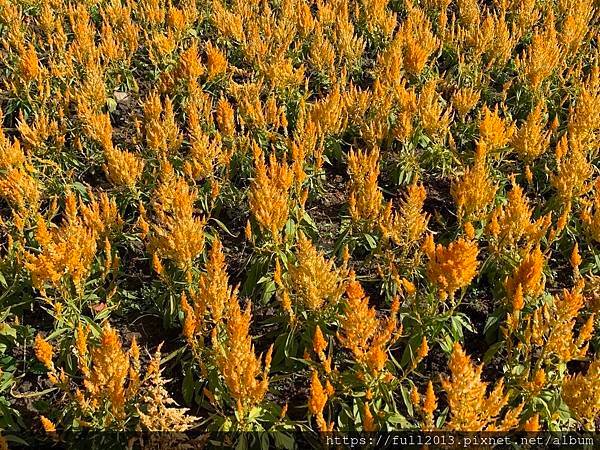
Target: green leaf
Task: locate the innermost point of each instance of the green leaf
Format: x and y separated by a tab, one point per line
268	292
111	103
254	413
413	343
441	418
371	241
16	439
465	322
81	189
7	330
492	324
242	443
188	387
283	440
172	355
489	354
223	227
406	399
446	344
264	279
398	419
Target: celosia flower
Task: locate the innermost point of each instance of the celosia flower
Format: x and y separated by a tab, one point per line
216	61
575	258
365	197
532	424
573	170
44	352
162	132
269	193
471	408
590	213
313	282
434	115
319	342
247	382
555	324
156	411
66	251
47	424
419	41
407	226
430	402
107	377
178	234
18	186
531	140
453	267
423	349
528	275
580	393
494	132
464	100
512	223
585	117
190	67
363	333
542	55
474	191
225	118
368	421
123	168
214	291
205	154
317	400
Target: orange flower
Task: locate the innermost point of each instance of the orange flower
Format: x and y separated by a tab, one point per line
162	132
216	61
581	394
511	224
214	291
453	267
319	342
123	168
542	56
528	275
44	352
368	421
573	170
407	226
494	132
419	40
423	349
47	424
531	141
313	282
317	400
365	196
363	333
269	193
225	118
474	191
430	402
464	100
178	234
575	257
471	408
241	369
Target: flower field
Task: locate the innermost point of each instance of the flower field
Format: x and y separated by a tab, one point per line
299	216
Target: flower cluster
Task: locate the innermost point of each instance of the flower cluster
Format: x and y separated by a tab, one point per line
312	203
